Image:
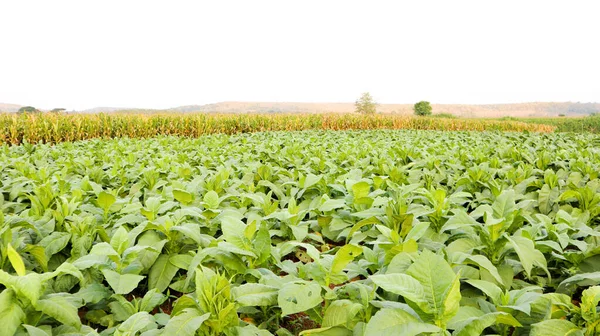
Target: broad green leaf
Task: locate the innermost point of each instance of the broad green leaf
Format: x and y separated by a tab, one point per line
583	279
528	254
186	323
28	286
39	254
35	331
106	200
233	231
344	256
151	299
136	323
555	328
93	293
332	204
15	260
251	294
392	322
122	283
488	288
486	264
299	296
183	196
327	331
120	240
55	243
211	199
11	313
504	205
61	309
441	286
162	273
589	302
341	313
360	190
311	180
401	284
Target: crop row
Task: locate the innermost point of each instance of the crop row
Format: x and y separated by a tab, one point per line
313	233
53	128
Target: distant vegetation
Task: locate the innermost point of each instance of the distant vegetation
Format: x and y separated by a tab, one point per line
52	128
586	124
422	108
365	104
28	109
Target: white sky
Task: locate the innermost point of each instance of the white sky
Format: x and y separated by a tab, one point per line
82	54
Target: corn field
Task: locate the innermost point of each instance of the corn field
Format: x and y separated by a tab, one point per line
54	128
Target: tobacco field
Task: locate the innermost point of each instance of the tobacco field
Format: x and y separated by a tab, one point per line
330	233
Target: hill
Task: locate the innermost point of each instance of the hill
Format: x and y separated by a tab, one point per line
9	107
463	110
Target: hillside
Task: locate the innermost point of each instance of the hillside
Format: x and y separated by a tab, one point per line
9	107
463	110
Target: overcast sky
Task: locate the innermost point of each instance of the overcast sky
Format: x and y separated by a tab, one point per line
82	54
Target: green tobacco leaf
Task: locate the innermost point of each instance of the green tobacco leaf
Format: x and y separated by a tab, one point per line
360	190
28	286
332	204
555	328
341	313
589	302
392	322
186	323
122	283
344	256
546	198
15	260
488	288
61	309
93	293
35	331
528	254
441	285
401	284
151	299
39	254
299	296
183	196
504	205
251	294
233	230
55	243
211	199
136	323
106	200
327	331
11	313
583	279
162	273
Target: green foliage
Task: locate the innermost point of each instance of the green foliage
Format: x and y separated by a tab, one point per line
28	109
365	104
324	233
422	108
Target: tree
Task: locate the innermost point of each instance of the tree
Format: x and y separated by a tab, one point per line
422	108
28	109
58	110
365	104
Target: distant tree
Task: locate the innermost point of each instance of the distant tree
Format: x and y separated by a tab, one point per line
28	109
58	110
365	104
422	108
